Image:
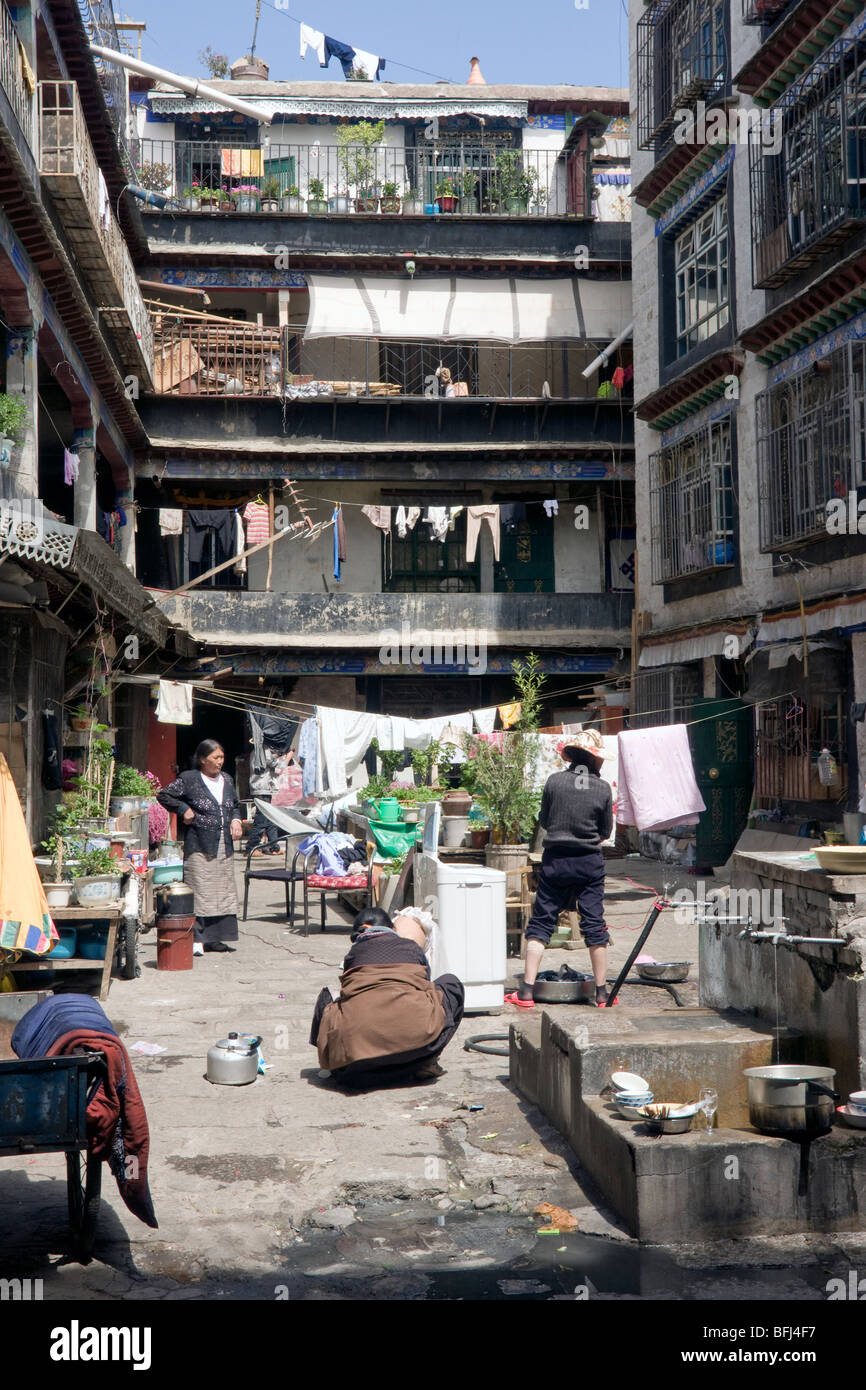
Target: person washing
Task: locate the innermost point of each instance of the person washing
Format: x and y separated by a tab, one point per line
577	813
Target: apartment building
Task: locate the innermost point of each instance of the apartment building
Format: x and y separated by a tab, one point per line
388	296
749	169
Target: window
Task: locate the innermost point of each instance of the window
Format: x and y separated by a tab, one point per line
419	564
691	495
682	57
664	696
701	267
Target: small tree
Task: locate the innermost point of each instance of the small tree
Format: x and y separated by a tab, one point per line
503	778
217	64
358	145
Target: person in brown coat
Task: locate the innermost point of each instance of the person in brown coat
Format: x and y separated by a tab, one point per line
390	1021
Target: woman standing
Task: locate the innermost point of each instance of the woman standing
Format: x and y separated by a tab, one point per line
206	804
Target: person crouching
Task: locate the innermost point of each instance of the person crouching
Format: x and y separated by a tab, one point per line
390	1021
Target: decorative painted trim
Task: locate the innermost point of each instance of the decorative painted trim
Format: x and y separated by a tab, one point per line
356	664
699	189
218	277
362	470
394	110
28	532
710	413
849	332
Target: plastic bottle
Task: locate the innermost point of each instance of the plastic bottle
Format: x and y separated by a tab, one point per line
827	769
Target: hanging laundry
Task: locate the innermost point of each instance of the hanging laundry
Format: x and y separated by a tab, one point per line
308	755
217	523
391	732
551	507
511	514
339	541
604	390
174	705
475	517
405	519
258	522
314	39
241	164
170	521
277	731
342	51
240	565
344	737
485	719
369	64
71	464
618	378
509	714
51	752
104	202
380	517
439	520
657	786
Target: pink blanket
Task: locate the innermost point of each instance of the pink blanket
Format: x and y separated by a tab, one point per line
657	786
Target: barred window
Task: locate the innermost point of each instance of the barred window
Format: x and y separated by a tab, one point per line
682	57
691	496
664	695
701	263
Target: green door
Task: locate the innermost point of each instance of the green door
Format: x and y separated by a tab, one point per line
282	169
722	746
525	564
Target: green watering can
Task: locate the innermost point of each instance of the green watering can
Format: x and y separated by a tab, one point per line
388	809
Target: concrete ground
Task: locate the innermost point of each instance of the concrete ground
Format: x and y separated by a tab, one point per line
293	1188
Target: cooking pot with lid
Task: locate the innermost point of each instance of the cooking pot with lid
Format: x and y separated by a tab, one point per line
791	1099
174	900
234	1061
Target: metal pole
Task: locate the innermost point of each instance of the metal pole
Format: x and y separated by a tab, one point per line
658	906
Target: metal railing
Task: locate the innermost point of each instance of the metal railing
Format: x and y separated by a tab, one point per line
483	178
811	445
763	11
811	186
682	58
691	498
98	19
66	151
214	358
12	76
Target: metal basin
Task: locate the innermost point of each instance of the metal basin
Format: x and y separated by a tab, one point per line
563	991
791	1099
674	971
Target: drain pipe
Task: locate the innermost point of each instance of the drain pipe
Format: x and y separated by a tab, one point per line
608	352
190	85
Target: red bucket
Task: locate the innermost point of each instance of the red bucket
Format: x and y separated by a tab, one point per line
174	938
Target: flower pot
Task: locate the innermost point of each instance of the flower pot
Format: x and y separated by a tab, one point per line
81	725
469	206
97	890
5	451
192	204
479	839
447	204
515	207
454	830
339	203
317	207
510	859
209	204
367	204
457	802
272	205
58	894
248	202
125	805
413	207
390	205
226	205
292	202
386	891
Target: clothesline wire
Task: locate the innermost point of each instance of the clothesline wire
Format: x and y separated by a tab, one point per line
394	61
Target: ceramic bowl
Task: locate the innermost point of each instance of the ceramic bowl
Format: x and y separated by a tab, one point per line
851	1117
628	1081
857	1101
630	1112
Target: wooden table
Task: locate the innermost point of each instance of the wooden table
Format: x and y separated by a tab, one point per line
111	915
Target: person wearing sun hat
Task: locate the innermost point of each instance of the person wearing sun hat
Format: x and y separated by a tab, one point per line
577	813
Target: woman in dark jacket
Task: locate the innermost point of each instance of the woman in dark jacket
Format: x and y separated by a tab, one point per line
207	808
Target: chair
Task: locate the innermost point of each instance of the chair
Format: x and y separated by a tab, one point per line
286	875
333	883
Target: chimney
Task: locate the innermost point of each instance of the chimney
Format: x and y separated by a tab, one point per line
249	69
475	74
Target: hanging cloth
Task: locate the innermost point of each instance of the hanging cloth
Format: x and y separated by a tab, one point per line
71	464
240	164
170	521
405	519
551	507
657	787
258	521
51	755
369	63
314	39
344	737
219	522
487	514
439	520
339	540
240	565
509	714
485	719
346	55
308	755
174	705
380	517
25	919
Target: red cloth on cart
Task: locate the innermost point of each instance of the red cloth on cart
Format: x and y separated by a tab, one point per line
117	1129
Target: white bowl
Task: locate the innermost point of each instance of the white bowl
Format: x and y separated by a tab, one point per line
629	1112
857	1101
627	1081
851	1117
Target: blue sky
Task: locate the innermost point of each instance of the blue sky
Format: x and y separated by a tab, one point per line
544	41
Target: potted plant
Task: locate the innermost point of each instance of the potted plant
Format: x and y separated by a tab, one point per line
339	200
468	195
247	197
413	206
271	195
515	184
97	878
156	178
225	201
388	881
13	415
82	719
58	890
317	203
129	788
358	150
192	197
446	196
390	198
503	779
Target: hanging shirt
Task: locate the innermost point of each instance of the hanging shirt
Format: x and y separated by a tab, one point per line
335	49
174	705
171	521
344	737
369	63
220	524
439	519
258	519
314	39
380	517
406	518
71	464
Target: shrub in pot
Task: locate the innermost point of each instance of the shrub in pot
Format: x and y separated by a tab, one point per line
390	198
413	206
468	196
358	154
503	778
247	197
317	203
446	196
271	195
192	198
97	880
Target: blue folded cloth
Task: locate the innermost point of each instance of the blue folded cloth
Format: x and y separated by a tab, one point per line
39	1029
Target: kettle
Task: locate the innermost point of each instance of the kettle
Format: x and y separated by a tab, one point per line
174	900
234	1061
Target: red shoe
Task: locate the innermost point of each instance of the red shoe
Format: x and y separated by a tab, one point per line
521	1003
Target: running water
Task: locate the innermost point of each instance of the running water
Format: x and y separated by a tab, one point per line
776	985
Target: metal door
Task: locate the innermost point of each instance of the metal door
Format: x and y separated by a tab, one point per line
722	748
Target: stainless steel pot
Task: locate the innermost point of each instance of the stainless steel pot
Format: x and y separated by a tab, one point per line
174	900
791	1099
234	1061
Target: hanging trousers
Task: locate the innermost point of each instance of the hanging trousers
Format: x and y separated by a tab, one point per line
474	518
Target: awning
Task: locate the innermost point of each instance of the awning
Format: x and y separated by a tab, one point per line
504	309
694	648
837	614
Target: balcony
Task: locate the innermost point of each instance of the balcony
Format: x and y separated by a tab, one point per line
811	447
763	11
16	78
70	172
210	357
682	58
483	179
811	194
342	620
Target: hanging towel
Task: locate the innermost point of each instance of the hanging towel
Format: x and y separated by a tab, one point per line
104	202
258	520
25	918
174	705
509	714
391	732
241	164
71	464
335	49
405	519
551	507
314	39
240	565
344	737
369	63
171	521
657	786
618	378
308	754
476	517
379	517
339	541
485	719
439	520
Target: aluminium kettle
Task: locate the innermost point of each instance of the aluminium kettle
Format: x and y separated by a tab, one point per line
234	1061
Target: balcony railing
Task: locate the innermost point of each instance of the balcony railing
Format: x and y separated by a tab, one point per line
763	11
809	190
14	75
70	171
200	357
692	504
484	178
682	58
811	445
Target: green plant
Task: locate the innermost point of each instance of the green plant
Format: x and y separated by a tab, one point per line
411	195
377	787
156	178
359	75
529	680
390	758
217	64
514	182
271	187
447	188
503	777
128	781
394	866
468	184
424	760
13	414
316	190
357	153
93	862
389	190
61	848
